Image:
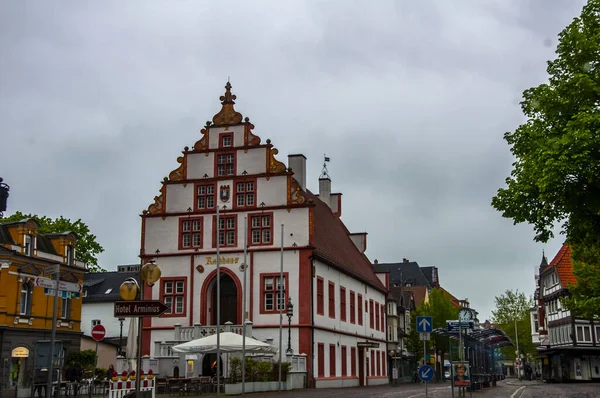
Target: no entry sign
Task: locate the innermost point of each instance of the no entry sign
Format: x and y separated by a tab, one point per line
98	332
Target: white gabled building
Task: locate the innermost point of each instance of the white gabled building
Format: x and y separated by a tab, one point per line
339	301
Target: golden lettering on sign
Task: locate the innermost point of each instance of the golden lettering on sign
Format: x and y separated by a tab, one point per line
20	352
223	260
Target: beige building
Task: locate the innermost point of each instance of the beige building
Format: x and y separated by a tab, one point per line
106	351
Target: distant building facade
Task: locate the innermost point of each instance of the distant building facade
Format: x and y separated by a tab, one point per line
28	261
568	347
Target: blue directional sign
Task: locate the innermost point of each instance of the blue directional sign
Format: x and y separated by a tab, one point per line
425	372
424	324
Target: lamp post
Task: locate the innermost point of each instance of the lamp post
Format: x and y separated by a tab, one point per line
131	290
4	189
121	320
290	314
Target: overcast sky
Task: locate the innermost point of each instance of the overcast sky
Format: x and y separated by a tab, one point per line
410	99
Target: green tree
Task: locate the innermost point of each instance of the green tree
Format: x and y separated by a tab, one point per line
87	246
513	308
556	175
441	308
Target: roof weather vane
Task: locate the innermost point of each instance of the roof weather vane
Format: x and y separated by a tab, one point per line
325	172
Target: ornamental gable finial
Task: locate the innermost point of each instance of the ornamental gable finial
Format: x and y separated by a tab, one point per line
227	115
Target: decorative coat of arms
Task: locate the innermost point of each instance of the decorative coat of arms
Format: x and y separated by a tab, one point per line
224	193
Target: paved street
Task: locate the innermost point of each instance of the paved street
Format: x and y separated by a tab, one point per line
506	389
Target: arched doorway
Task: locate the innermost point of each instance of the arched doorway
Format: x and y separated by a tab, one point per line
229	298
209	365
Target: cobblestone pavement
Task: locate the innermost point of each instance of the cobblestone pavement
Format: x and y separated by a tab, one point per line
510	388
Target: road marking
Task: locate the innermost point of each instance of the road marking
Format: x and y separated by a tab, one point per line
430	390
516	392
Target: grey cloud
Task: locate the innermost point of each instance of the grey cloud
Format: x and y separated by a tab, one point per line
410	100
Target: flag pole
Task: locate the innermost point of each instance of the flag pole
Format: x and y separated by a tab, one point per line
244	307
282	297
218	235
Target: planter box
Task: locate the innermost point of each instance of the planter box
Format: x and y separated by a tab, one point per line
255	386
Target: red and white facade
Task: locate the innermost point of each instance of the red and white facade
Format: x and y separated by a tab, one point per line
339	302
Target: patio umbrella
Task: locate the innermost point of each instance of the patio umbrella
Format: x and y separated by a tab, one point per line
230	342
131	350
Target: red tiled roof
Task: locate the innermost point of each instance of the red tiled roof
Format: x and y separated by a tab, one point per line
333	244
455	301
419	293
564	267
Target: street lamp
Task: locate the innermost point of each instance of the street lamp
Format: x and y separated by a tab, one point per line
4	189
290	314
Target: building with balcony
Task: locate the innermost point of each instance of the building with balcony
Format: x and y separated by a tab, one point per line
265	205
568	346
28	261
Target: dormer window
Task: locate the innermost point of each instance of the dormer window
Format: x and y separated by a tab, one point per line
29	245
70	254
26	296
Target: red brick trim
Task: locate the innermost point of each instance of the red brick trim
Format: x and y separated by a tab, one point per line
261	228
191	220
214	230
320	296
222	136
162	295
204	297
225	153
273	275
234	193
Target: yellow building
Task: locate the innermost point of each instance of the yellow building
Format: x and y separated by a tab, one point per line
28	262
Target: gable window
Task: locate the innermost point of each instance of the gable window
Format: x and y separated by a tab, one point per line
331	298
227	230
26	296
225	164
274	292
360	309
70	254
343	303
225	140
66	308
261	229
320	296
190	232
352	307
245	193
172	294
205	196
29	245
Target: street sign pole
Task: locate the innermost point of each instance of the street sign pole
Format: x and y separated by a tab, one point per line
94	372
53	338
424	361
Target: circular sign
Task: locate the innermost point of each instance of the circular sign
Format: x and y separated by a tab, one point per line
425	372
98	332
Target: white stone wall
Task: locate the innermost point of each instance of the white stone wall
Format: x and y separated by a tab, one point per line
105	313
341	279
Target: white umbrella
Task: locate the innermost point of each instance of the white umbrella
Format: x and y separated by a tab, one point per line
131	350
230	342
